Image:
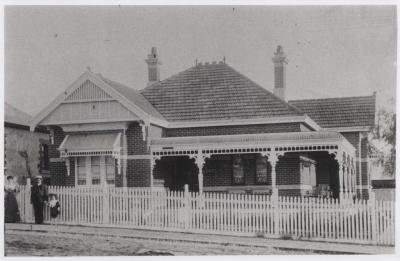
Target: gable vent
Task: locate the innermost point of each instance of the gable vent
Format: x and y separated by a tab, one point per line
88	91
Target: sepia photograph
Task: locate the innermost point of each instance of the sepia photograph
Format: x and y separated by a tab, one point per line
199	130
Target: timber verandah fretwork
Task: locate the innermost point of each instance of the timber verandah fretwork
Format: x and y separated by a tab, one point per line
269	145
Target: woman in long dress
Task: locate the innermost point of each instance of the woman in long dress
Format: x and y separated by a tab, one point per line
11	211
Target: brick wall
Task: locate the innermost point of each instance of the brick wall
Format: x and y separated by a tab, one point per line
288	169
58	171
364	165
136	145
59	136
138	173
239	129
138	170
354	139
70	180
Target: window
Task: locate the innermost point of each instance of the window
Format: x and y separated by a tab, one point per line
238	174
308	175
81	170
110	170
95	170
44	156
261	170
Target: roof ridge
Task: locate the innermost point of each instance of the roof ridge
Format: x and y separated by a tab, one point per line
333	98
170	78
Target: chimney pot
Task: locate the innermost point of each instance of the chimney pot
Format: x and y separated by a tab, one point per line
153	65
280	62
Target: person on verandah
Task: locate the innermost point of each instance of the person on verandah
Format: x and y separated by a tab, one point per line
39	198
11	211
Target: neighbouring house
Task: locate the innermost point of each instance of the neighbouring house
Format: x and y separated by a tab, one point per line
383	184
23	149
209	127
384	189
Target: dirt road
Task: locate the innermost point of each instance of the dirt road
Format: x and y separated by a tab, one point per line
23	243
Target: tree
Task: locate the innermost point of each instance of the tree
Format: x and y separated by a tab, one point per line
385	131
24	154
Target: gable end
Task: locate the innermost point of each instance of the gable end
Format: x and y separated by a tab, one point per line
88	91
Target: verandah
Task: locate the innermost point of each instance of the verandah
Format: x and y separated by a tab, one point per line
272	146
347	220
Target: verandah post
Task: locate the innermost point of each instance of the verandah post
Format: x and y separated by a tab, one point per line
273	159
340	169
200	161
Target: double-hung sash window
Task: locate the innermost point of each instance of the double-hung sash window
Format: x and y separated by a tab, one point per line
81	170
95	170
238	173
110	170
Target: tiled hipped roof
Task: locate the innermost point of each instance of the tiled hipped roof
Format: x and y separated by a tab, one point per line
217	92
214	92
339	112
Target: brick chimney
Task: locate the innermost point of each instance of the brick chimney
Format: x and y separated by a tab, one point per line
280	62
153	64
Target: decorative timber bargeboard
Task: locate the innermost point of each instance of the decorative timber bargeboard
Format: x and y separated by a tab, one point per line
270	145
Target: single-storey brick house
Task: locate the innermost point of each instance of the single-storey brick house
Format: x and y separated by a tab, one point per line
209	127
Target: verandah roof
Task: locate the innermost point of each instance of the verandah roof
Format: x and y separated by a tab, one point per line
289	141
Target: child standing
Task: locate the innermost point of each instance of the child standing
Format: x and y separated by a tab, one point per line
54	208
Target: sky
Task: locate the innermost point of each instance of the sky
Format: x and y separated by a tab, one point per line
333	51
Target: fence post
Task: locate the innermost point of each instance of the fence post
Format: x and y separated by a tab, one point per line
27	199
275	203
187	206
372	207
106	205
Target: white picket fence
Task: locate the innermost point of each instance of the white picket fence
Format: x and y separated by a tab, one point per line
360	221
